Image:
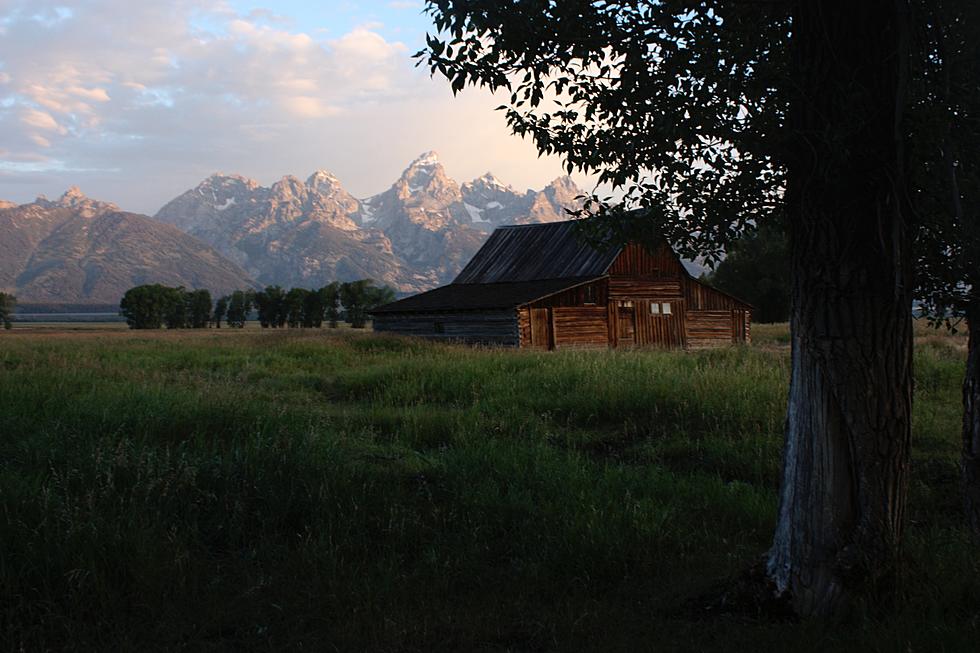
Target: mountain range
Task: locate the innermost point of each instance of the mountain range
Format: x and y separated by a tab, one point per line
79	250
417	234
232	232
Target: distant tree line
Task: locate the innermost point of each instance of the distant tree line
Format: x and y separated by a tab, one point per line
154	306
7	305
757	270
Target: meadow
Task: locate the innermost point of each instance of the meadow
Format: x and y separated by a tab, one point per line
338	491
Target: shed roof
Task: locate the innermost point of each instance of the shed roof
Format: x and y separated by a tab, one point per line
477	296
534	252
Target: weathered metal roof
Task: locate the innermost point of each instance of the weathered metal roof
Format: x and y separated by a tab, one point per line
479	296
534	252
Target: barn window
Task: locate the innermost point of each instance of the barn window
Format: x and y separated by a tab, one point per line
654	308
439	327
589	295
666	308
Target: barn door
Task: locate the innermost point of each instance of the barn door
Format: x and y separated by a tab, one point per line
540	328
626	323
661	323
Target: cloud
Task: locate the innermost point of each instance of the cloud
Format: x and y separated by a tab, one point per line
41	121
146	98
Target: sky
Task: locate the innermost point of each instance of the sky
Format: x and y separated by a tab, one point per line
136	101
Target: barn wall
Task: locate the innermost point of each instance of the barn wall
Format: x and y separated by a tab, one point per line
636	261
660	330
702	297
701	316
524	326
577	296
563	327
491	327
584	326
709	328
630	288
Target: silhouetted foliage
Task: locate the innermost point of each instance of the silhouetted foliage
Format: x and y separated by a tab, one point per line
947	201
313	309
198	303
220	310
330	297
293	304
239	306
177	314
150	306
8	303
756	270
354	297
271	306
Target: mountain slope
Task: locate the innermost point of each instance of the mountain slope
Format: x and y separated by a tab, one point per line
417	234
80	250
293	234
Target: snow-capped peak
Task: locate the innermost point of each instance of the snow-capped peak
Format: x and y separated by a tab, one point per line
429	158
323	175
72	195
491	180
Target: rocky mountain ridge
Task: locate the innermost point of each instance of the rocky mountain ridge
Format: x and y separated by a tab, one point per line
80	250
415	235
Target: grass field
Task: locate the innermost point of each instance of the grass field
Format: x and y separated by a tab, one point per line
340	492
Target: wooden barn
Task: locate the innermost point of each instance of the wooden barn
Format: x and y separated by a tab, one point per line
541	286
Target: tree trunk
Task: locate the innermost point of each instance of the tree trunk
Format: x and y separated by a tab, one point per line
971	423
848	426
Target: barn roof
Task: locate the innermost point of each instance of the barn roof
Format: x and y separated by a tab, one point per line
477	296
534	252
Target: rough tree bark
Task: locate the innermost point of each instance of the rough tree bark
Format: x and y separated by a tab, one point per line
971	423
846	455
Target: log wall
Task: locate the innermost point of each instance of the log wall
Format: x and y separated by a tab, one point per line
591	294
583	326
490	327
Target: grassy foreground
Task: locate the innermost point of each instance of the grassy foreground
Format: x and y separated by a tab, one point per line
316	491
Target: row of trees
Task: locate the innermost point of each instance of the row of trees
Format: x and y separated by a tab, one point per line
7	305
153	306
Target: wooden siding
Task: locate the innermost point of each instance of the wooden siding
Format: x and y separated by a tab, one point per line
635	261
658	329
524	326
491	327
583	326
700	297
710	328
577	296
628	288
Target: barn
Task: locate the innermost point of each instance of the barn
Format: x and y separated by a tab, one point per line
541	286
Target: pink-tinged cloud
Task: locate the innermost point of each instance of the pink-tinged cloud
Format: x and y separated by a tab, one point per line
140	100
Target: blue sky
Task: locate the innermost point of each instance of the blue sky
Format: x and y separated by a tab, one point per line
136	102
396	20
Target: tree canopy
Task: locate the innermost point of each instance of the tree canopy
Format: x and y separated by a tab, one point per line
680	104
717	117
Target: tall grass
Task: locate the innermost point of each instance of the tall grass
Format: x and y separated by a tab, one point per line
300	491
